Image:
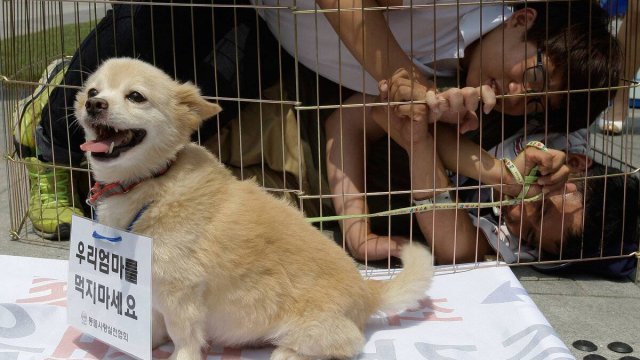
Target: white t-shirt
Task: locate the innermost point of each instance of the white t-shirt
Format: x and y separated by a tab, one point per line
319	48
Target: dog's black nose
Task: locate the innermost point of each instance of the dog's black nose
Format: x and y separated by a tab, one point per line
95	106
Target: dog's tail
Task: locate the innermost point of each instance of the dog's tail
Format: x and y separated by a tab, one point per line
405	289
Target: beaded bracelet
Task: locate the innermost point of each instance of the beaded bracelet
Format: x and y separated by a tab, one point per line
528	180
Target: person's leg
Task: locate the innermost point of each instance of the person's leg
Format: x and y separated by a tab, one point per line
58	136
612	120
226	51
53	200
213	47
242	58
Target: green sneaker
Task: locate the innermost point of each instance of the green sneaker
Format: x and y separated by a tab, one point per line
29	110
51	202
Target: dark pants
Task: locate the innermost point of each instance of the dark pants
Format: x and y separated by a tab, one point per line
223	50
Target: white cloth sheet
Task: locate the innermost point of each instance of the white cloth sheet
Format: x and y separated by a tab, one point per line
477	314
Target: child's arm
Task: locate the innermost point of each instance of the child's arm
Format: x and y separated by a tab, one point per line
346	137
455	105
367	36
462	155
450	232
467	158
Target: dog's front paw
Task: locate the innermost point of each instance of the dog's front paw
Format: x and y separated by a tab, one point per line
159	335
186	353
282	353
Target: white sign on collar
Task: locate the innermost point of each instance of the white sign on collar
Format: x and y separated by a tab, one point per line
109	286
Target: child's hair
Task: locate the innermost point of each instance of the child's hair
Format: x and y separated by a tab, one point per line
610	215
575	36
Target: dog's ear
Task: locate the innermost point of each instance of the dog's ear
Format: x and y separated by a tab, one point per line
189	96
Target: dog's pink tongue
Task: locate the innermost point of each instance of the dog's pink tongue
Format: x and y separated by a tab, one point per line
96	146
103	146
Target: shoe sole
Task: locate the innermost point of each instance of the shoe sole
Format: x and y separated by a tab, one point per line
62	233
610	127
611	130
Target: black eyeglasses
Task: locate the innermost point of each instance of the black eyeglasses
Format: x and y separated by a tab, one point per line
534	80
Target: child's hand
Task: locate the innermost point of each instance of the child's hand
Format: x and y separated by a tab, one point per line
456	106
553	173
401	129
404	87
455	100
376	247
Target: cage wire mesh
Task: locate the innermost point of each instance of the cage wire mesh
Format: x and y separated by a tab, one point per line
278	77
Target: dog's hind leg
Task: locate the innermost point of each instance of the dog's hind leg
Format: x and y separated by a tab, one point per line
323	336
159	333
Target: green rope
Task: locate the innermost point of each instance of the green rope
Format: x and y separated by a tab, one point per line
526	182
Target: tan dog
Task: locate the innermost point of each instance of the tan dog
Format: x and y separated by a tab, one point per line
232	264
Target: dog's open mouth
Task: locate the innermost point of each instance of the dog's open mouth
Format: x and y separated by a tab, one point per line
111	142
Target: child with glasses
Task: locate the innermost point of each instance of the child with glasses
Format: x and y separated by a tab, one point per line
595	215
521	66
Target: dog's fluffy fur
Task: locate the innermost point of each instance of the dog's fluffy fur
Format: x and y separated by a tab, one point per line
231	264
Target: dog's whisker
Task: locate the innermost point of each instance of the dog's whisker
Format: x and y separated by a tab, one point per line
83	72
75	124
57	120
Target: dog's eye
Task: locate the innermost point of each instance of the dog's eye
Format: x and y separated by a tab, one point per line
136	97
92	93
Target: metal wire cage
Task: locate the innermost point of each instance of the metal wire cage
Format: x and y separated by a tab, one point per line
253	58
33	35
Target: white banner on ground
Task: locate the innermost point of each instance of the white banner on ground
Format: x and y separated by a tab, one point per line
478	314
